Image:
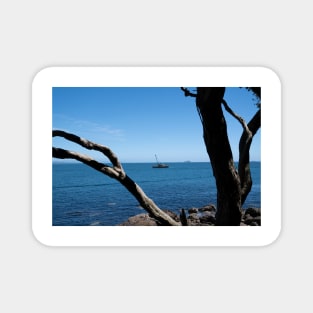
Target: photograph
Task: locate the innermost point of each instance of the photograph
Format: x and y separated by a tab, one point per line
156	156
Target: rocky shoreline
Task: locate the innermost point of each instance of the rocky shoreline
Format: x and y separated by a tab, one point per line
204	216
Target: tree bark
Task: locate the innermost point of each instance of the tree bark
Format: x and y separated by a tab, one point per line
209	103
244	155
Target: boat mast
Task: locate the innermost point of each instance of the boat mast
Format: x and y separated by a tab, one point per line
157	159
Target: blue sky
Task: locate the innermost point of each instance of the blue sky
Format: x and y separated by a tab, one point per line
139	122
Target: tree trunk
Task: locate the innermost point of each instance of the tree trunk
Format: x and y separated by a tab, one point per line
209	104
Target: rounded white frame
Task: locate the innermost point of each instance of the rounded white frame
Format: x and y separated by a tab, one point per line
155	77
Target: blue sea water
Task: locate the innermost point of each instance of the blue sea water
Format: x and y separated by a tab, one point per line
82	196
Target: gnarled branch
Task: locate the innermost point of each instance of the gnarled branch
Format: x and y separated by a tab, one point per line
237	117
117	172
249	130
92	146
244	155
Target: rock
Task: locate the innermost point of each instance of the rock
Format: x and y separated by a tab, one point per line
140	220
144	219
193	216
208	208
248	219
253	212
204	216
208	219
257	220
193	219
252	217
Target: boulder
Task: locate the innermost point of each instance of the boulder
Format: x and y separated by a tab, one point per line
192	210
208	219
193	219
257	220
248	219
140	220
253	212
208	208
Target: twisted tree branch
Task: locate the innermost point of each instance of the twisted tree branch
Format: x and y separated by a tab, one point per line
237	117
92	146
244	155
117	172
249	130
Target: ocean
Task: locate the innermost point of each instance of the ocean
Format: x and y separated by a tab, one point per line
84	197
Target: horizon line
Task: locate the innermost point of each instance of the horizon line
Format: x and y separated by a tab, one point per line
141	162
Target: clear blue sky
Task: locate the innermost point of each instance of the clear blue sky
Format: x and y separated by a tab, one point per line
137	123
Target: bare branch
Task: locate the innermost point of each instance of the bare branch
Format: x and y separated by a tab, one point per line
115	172
103	168
92	146
188	93
237	117
249	131
244	155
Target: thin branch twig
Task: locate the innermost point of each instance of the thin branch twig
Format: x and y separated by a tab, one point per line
188	93
237	117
